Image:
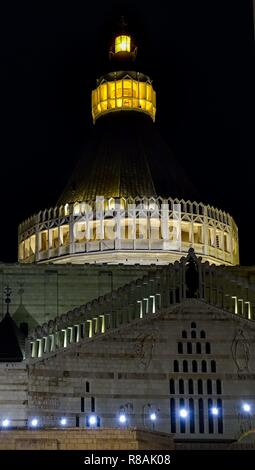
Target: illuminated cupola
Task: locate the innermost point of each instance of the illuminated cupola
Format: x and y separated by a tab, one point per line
128	200
124	89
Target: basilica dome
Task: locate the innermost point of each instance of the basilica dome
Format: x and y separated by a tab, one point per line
128	200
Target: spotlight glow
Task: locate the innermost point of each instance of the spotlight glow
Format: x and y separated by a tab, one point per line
247	407
34	422
183	413
122	418
92	420
63	421
5	423
215	411
153	416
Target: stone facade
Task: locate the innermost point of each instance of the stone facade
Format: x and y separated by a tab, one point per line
134	369
42	292
179	338
74	439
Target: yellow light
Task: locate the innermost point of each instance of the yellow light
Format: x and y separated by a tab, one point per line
122	44
124	94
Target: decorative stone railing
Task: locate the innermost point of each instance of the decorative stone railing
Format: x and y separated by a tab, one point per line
164	226
141	299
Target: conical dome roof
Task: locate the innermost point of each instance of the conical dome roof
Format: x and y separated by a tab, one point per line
126	157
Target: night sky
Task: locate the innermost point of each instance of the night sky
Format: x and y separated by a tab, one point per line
200	55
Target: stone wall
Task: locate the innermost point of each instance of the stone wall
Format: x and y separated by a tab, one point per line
84	439
14	393
130	369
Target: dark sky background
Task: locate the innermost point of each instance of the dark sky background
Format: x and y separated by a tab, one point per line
200	55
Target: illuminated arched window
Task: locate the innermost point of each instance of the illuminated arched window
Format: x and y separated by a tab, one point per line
122	44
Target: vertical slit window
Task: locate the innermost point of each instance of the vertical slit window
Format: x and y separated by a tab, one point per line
182	420
204	366
220	416
181	386
209	387
82	405
191	416
93	404
213	366
198	348
218	387
207	348
176	366
180	348
210	417
194	366
191	387
200	387
201	415
173	415
185	366
189	348
172	386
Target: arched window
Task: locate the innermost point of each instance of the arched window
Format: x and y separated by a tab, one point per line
202	334
180	348
189	348
184	334
201	415
204	366
194	366
193	325
218	387
172	386
181	386
176	366
207	348
209	387
185	366
213	366
193	334
200	387
198	348
191	387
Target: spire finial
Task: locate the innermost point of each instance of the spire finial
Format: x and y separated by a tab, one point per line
123	23
8	292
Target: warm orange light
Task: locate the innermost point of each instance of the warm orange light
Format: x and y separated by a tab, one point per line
122	44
